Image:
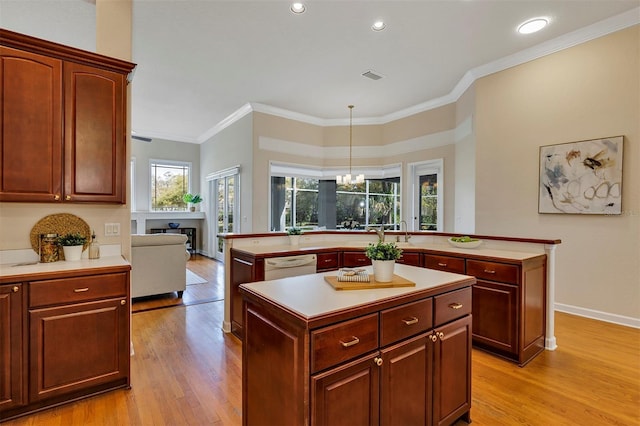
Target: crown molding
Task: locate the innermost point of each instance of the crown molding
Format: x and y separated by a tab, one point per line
582	35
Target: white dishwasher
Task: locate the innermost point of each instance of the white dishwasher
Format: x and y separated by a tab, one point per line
289	266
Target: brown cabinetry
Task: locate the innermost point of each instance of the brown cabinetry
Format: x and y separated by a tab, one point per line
244	269
327	261
509	307
13	348
353	259
396	365
410	258
63	113
444	263
75	329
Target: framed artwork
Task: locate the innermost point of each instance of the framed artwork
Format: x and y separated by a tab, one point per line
581	177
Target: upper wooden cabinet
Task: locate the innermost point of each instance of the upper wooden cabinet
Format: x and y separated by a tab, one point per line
63	123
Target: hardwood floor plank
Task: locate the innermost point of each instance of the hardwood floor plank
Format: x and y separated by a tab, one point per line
186	371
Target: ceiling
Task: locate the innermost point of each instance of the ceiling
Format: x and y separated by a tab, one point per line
200	62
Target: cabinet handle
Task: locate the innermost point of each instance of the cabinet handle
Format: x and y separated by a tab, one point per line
378	361
362	260
354	341
488	271
56	197
81	290
123	302
15	288
455	305
441	335
328	260
67	197
442	264
410	321
433	338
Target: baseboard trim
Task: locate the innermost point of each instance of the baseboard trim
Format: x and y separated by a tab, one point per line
598	315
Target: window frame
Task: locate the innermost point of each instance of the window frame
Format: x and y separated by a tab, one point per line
156	162
420	169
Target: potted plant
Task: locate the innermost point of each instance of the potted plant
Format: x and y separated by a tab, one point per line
72	245
294	235
383	257
192	200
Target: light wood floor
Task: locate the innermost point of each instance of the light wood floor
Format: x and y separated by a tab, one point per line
186	371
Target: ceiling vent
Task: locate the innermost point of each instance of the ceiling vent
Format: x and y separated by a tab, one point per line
372	75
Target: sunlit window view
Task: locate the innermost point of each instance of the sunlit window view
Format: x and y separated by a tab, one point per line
429	202
169	183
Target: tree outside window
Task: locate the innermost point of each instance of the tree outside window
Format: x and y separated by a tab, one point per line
169	183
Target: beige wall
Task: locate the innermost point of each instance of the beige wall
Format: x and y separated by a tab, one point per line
17	219
585	92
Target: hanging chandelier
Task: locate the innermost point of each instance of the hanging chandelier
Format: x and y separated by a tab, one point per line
349	179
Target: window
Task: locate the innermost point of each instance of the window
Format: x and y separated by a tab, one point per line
428	195
170	180
374	202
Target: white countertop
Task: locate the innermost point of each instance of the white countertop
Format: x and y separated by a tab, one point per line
311	296
361	245
9	270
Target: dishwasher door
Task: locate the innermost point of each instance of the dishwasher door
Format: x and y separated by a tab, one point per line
289	266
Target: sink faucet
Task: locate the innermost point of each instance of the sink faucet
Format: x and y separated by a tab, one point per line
379	231
406	231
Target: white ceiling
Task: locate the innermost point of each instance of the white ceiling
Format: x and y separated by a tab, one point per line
201	61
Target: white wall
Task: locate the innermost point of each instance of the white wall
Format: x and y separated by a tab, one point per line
588	91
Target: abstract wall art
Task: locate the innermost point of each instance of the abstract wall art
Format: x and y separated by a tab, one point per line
581	177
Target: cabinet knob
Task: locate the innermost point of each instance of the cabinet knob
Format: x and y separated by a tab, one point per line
455	305
123	302
443	265
441	335
15	289
433	338
67	197
378	361
56	197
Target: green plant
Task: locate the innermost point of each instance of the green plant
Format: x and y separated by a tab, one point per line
383	251
191	198
294	231
72	240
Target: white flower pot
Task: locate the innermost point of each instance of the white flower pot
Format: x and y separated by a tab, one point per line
72	253
294	240
383	270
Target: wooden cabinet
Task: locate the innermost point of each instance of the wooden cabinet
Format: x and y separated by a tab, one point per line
244	269
75	329
410	258
64	123
353	259
327	261
445	263
509	307
404	362
13	348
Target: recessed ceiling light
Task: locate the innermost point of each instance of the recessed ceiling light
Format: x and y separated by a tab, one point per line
298	8
532	25
379	25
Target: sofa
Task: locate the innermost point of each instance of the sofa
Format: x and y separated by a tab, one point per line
158	264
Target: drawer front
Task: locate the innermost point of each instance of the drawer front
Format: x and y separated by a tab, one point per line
327	261
351	259
452	305
78	289
337	343
493	271
444	263
412	259
406	320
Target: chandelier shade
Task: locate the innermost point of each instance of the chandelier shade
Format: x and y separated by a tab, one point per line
349	178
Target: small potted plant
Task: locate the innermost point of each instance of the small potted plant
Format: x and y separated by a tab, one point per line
192	200
294	235
72	245
383	257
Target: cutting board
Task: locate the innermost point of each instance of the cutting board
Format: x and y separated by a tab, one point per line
397	281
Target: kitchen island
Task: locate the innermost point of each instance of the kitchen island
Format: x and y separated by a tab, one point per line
315	355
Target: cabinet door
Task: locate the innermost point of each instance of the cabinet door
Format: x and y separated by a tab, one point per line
413	259
13	351
243	270
347	395
95	139
76	347
327	261
495	315
452	372
31	139
406	383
